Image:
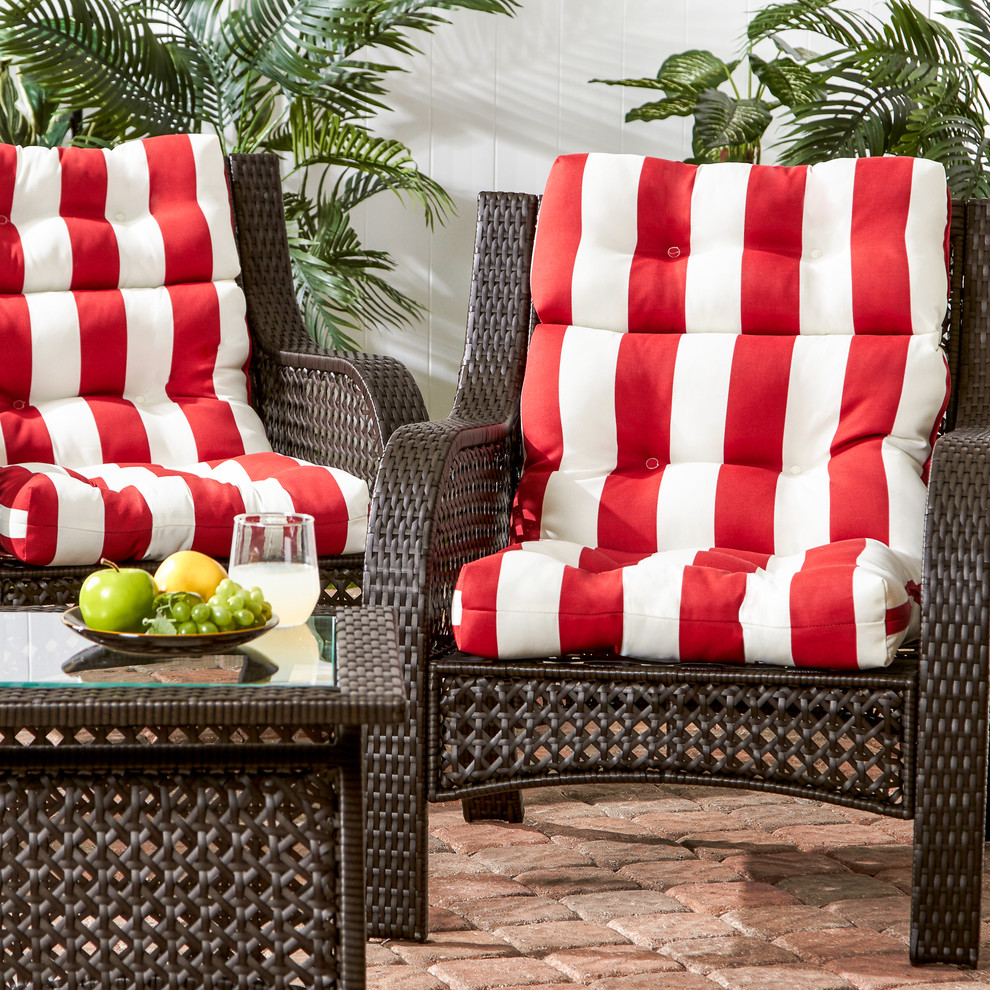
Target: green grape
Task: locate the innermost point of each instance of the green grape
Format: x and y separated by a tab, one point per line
226	588
221	615
206	627
254	607
244	617
257	595
201	613
181	610
236	602
266	611
186	628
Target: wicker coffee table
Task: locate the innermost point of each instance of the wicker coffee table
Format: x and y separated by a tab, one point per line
169	827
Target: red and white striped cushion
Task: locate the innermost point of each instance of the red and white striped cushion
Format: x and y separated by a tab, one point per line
732	356
646	245
846	605
123	329
50	513
646	442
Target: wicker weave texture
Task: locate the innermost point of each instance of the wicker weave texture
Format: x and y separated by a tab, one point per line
410	565
802	735
120	881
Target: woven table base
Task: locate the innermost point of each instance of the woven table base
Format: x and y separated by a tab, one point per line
181	880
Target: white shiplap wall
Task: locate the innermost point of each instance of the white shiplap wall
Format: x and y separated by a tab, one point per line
490	102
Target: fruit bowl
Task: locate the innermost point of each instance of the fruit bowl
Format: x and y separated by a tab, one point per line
148	644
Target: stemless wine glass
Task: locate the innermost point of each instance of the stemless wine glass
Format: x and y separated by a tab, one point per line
276	551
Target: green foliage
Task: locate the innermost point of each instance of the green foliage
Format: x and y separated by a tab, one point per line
297	77
726	127
901	84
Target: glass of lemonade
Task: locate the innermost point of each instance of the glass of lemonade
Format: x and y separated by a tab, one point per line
276	551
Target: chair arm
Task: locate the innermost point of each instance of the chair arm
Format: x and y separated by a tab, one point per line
951	748
956	580
442	498
334	407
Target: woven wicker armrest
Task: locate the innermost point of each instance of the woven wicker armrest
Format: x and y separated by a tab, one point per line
956	580
951	750
442	498
333	407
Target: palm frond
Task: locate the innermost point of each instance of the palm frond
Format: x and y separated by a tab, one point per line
363	163
975	30
341	285
845	28
853	122
959	141
308	46
103	55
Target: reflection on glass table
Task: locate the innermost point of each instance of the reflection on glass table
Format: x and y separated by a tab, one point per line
38	650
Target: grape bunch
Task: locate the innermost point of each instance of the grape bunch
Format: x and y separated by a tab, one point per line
232	607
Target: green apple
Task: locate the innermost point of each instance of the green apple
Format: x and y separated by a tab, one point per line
116	599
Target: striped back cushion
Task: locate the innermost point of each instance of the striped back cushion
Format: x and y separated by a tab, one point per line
782	377
646	245
123	328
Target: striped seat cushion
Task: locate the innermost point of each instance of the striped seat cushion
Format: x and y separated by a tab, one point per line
51	513
732	356
846	605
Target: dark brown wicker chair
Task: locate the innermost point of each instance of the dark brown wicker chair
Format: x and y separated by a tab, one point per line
327	407
908	741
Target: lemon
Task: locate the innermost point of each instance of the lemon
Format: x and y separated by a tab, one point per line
190	570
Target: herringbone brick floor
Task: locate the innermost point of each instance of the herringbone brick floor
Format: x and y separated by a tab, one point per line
661	887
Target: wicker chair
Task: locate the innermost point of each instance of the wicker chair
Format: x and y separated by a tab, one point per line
326	407
907	741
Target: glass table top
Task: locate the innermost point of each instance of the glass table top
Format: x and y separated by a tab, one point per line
38	650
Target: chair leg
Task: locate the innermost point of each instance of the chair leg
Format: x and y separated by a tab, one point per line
950	806
506	806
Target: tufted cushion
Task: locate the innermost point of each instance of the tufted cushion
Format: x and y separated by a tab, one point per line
645	442
845	605
125	427
129	511
738	357
123	328
646	245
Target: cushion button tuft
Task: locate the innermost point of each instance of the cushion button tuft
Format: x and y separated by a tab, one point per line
817	253
652	463
673	252
795	469
3	219
119	215
19	403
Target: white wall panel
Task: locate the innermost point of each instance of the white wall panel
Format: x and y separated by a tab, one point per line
489	102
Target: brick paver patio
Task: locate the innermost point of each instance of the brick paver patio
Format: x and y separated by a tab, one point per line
661	887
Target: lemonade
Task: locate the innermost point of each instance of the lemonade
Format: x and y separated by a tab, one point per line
292	589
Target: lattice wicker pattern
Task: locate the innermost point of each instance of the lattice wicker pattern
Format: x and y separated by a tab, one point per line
510	725
208	880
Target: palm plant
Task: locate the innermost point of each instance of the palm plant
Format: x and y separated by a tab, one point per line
901	84
296	77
